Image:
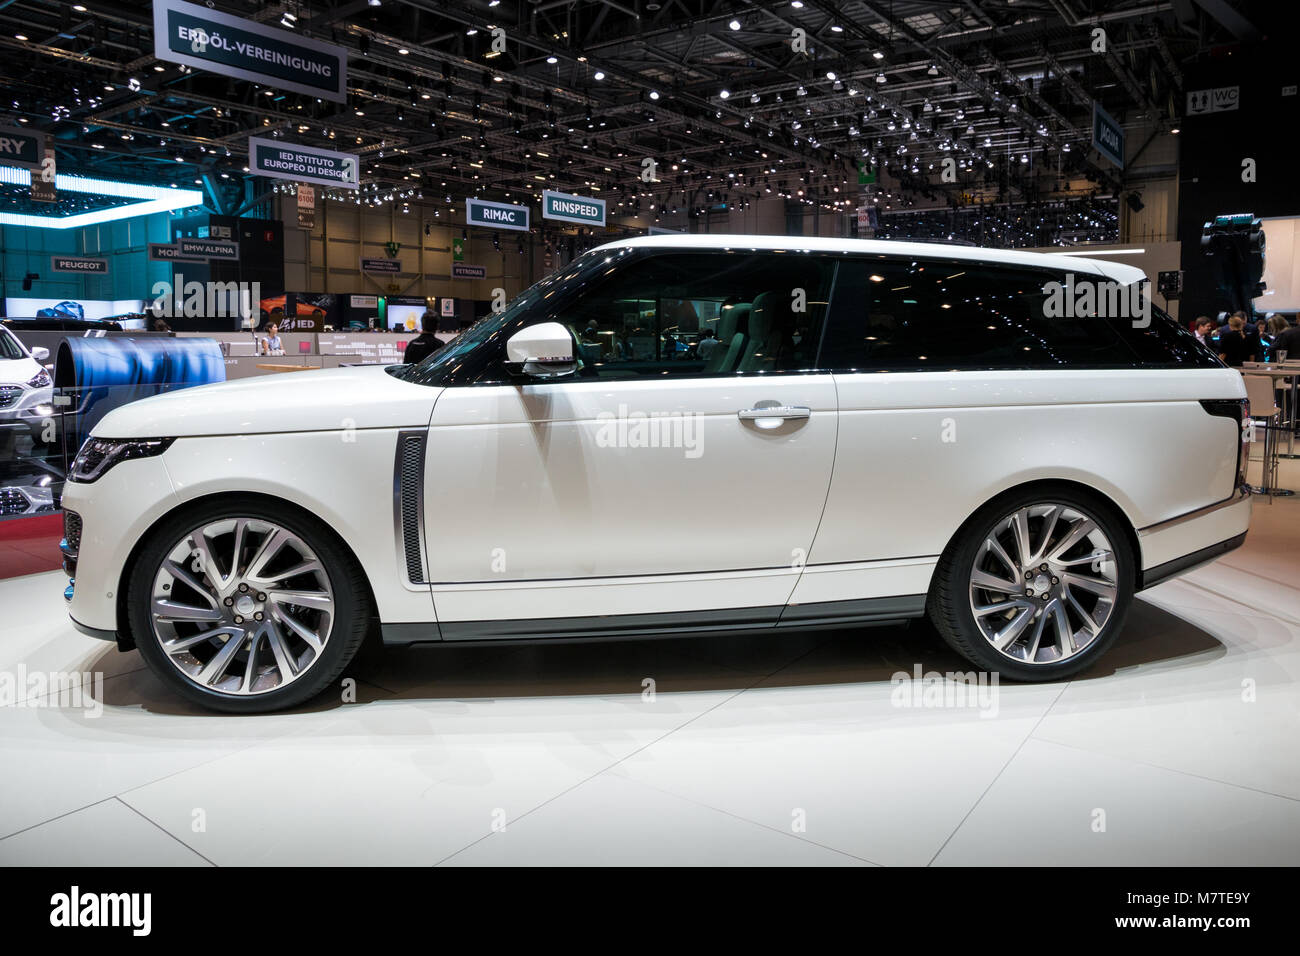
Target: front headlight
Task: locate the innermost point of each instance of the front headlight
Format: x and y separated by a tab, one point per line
41	380
98	455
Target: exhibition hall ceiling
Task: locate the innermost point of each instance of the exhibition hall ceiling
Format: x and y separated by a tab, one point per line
679	102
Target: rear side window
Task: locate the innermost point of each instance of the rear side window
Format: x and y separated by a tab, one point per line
914	314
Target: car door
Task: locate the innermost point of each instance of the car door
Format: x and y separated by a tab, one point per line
663	484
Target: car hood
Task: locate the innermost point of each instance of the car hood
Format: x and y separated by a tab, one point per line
322	400
18	371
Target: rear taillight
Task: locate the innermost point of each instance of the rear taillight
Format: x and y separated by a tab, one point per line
1238	409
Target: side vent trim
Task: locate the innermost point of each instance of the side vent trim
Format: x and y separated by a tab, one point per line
408	505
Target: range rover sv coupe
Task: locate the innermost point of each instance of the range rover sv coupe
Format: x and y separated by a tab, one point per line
679	434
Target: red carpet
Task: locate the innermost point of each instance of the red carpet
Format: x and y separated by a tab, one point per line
29	545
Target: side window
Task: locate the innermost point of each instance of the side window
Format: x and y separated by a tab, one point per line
706	313
915	314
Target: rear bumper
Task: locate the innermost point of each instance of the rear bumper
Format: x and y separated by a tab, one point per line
1188	541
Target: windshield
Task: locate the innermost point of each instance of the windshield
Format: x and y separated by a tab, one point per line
9	347
488	329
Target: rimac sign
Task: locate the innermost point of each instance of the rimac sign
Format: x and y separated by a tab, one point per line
498	215
231	46
303	164
1107	135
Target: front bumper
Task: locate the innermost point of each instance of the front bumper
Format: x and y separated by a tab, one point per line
29	411
114	513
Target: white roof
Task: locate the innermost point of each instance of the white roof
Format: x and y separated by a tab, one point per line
1118	271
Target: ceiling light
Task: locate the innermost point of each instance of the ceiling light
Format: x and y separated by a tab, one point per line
734	25
724	93
654	94
837	29
552	60
403	50
600	75
19	36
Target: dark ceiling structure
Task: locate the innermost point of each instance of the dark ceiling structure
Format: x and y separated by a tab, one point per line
733	101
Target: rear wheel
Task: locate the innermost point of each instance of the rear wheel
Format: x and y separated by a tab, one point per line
1037	586
244	610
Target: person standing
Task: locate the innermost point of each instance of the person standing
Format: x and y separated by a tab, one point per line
1235	346
424	344
1288	341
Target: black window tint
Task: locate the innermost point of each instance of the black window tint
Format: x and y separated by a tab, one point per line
703	313
1166	343
896	313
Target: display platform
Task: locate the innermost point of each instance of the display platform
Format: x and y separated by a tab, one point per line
1178	749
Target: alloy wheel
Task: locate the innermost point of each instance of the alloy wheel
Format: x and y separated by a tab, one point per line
242	606
1044	583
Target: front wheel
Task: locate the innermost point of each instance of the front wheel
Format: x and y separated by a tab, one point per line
243	609
1037	586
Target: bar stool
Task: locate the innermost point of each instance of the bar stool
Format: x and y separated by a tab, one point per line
1259	392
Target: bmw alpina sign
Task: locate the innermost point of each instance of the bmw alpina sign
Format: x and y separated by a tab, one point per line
498	215
303	164
207	248
231	46
580	209
82	264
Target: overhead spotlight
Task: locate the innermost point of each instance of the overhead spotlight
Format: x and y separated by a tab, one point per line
880	78
654	94
734	25
599	75
552	60
376	3
724	93
933	70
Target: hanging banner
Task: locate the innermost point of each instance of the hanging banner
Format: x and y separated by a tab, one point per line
21	147
381	266
43	188
566	208
461	270
168	252
306	207
208	248
311	164
232	46
82	264
497	215
1107	135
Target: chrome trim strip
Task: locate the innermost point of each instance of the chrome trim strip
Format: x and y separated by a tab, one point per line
1238	496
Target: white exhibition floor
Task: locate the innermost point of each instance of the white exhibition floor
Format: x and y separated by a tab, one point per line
1182	747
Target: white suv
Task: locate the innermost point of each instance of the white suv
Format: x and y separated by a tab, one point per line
674	435
26	391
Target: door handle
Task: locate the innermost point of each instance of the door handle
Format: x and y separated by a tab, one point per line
774	413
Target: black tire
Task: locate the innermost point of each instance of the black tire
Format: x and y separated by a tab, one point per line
949	604
352	604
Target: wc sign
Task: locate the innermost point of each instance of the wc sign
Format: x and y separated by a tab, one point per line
1218	100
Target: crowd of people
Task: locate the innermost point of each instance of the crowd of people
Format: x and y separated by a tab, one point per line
1236	340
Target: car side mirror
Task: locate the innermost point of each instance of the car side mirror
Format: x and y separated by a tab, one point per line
41	354
541	351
